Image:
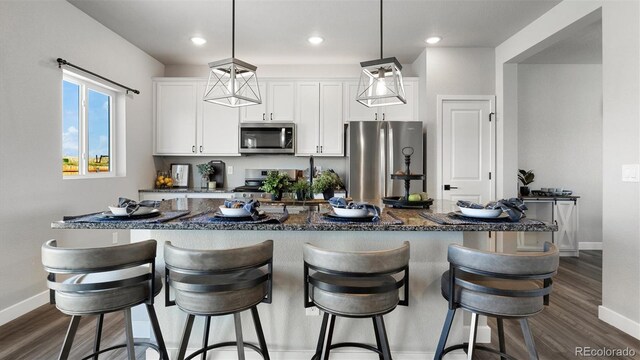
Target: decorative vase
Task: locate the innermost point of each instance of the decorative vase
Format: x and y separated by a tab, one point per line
276	197
328	194
204	182
524	191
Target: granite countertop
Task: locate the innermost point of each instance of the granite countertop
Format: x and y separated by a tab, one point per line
190	190
299	220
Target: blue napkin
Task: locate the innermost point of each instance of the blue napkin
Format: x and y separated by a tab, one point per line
514	207
469	204
339	202
132	206
250	206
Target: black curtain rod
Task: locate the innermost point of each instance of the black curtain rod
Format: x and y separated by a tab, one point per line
62	61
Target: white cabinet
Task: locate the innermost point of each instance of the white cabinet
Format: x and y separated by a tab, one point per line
319	125
561	211
187	125
160	196
278	103
354	111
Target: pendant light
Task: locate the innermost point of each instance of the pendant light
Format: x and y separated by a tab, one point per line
381	80
232	82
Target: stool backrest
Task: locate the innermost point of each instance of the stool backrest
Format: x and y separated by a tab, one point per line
357	264
95	260
530	266
181	262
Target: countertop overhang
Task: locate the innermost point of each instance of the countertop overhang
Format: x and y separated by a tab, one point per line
300	221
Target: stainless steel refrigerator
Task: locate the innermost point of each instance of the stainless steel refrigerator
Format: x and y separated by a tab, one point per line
375	152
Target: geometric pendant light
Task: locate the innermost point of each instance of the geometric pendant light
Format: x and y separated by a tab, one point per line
381	80
232	82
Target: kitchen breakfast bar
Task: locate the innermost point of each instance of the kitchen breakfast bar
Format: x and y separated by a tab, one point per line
290	332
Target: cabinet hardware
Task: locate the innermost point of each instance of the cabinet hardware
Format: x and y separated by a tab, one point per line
491	114
383	116
264	117
200	148
321	149
489	175
271	116
376	116
449	187
193	149
317	149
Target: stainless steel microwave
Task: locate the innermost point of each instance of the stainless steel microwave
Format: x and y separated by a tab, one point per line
267	138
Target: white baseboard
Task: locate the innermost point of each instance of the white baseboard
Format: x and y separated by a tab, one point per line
16	310
623	323
307	354
584	245
483	336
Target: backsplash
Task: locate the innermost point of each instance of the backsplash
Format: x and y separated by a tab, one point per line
240	163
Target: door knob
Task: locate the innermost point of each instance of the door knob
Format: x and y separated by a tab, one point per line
449	187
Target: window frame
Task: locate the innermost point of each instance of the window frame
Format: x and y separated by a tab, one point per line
85	85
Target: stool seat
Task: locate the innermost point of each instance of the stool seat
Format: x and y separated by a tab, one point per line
364	303
221	302
495	305
104	301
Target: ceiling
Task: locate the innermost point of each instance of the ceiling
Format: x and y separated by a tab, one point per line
276	31
583	48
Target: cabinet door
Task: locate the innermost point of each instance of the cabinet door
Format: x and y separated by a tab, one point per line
175	118
253	113
406	112
353	110
281	100
331	124
217	129
308	102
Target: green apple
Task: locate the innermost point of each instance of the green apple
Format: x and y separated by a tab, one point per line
415	197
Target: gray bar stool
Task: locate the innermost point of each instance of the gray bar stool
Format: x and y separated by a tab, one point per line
100	281
219	282
504	286
355	285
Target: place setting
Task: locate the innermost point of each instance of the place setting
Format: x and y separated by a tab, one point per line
344	212
128	210
469	213
236	211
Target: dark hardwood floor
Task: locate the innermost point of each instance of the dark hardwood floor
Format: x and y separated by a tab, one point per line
570	321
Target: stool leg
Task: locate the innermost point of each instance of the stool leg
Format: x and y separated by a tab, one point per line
503	348
68	339
239	340
472	335
131	352
96	341
186	333
323	331
327	346
528	339
375	330
261	340
445	334
155	325
384	342
205	336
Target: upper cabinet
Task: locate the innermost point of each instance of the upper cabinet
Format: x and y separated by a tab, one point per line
319	124
354	111
187	125
278	103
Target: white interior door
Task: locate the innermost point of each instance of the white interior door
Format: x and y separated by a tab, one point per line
467	148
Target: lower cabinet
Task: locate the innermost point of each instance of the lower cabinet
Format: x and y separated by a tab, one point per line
319	129
160	196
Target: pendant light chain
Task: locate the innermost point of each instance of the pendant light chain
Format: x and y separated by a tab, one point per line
381	57
233	28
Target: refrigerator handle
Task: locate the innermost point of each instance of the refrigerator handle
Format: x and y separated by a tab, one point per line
383	162
390	164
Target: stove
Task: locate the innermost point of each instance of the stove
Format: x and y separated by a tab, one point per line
253	179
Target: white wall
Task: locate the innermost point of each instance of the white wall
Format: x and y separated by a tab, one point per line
560	134
32	192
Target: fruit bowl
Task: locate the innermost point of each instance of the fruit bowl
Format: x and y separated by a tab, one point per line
480	213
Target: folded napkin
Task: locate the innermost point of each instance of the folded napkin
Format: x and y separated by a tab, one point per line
514	207
132	206
339	202
250	206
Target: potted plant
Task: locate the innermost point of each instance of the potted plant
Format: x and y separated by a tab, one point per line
302	189
526	178
275	184
207	171
326	183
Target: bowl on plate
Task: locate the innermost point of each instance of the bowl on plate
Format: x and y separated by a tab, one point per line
122	211
481	213
236	212
351	213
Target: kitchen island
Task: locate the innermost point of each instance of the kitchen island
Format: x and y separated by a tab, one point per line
413	331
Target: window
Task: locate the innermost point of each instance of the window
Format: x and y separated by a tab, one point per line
88	111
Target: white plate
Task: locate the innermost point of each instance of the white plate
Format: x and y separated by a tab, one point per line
481	213
235	212
351	213
122	211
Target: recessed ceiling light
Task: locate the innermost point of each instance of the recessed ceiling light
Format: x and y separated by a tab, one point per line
198	41
433	40
315	40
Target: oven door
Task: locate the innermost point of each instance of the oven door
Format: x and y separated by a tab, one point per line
268	138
